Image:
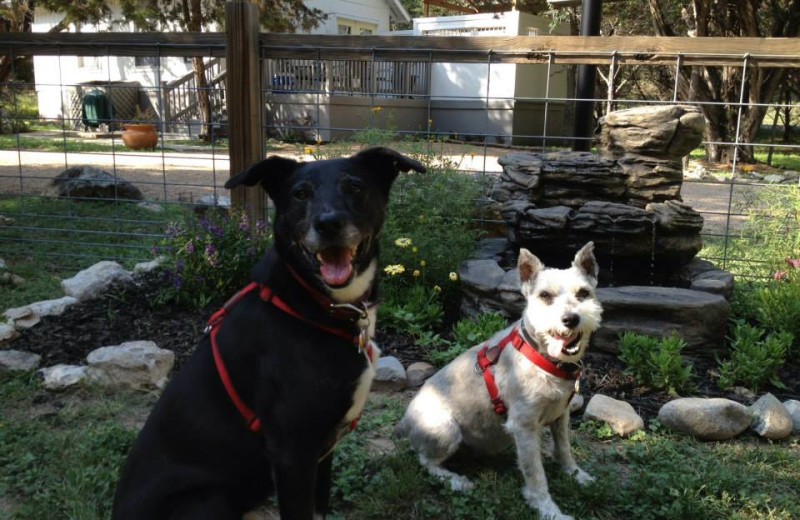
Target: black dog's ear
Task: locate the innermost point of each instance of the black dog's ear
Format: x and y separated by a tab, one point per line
270	172
388	161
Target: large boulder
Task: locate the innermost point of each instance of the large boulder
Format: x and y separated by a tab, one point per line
88	182
664	131
771	419
389	374
707	419
697	317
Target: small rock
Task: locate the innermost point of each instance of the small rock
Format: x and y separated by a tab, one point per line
707	419
771	420
18	360
418	373
60	377
773	178
389	374
576	403
744	393
6	221
793	407
135	364
7	332
3	264
146	267
151	206
53	307
207	202
91	282
11	279
84	182
22	317
620	415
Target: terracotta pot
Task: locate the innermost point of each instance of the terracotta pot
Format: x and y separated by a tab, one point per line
139	135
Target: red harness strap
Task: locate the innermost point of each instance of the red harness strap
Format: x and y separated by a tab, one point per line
488	356
266	294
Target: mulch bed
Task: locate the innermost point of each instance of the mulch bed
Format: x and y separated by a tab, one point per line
131	313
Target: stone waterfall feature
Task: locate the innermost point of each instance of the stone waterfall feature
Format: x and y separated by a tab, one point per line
627	200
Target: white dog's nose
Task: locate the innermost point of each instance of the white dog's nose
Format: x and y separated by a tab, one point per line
570	320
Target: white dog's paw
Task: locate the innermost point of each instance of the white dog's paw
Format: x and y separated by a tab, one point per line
545	505
582	478
460	483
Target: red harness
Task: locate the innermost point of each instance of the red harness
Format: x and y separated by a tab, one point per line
488	356
361	340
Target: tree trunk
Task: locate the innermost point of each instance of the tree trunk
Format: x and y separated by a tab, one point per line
194	22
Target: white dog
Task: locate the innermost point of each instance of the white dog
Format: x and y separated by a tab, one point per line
520	380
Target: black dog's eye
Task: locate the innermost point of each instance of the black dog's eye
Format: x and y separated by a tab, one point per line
354	187
546	297
302	193
582	294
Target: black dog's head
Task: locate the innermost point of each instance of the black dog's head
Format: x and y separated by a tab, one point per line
329	213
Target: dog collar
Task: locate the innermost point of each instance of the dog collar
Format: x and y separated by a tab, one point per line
358	311
489	354
563	365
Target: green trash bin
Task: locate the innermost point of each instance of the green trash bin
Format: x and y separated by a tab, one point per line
96	109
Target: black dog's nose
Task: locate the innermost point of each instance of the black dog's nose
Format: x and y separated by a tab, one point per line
328	224
570	320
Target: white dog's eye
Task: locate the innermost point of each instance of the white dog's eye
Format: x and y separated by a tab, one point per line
546	297
582	294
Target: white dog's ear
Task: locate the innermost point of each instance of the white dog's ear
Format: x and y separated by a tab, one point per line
586	262
529	267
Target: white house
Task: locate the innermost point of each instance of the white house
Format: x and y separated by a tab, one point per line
61	81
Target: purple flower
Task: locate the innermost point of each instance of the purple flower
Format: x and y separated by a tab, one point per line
211	255
190	247
153	250
210	250
179	266
260	225
176	282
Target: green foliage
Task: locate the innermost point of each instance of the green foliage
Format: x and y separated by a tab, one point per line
14	114
211	255
777	309
467	333
656	362
412	310
754	359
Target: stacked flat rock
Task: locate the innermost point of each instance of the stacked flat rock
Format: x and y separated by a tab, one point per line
627	200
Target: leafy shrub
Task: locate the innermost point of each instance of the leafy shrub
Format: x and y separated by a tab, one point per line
778	303
656	362
467	333
754	359
210	256
410	310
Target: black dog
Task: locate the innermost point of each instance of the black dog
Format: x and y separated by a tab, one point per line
287	366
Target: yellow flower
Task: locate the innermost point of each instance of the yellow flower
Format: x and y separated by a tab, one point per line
309	150
430	122
423	263
394	269
319	140
402	242
416	273
453	276
437	288
414	249
375	110
422	219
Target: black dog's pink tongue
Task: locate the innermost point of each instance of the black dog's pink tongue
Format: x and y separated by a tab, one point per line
335	265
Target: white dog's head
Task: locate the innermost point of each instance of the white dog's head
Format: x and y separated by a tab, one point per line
562	310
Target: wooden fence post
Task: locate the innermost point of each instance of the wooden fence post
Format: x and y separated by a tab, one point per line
245	143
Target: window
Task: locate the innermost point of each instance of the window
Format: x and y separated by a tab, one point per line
145	61
348	26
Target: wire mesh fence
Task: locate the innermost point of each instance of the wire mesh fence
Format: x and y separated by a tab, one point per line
461	104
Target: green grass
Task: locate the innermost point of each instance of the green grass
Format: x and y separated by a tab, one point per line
93	231
61	453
